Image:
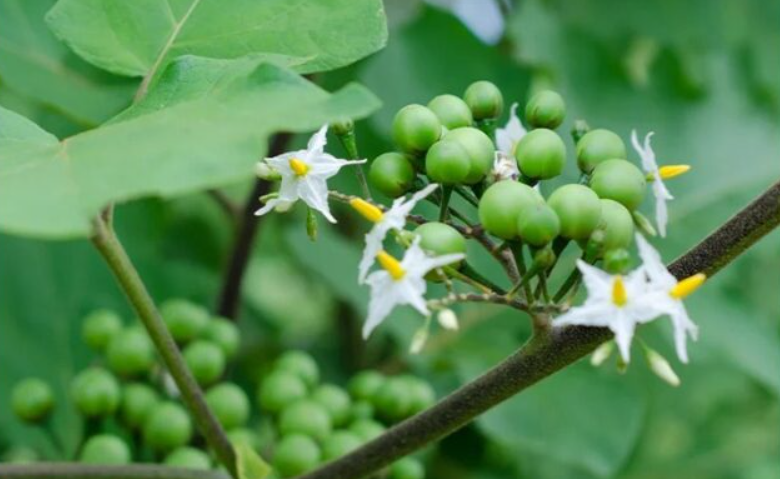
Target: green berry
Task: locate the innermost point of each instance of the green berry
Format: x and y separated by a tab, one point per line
617	261
617	224
188	458
105	449
365	384
452	111
130	353
440	239
407	468
279	389
230	404
597	146
578	208
224	333
393	401
421	393
306	417
502	204
32	400
484	99
621	181
99	327
541	154
167	427
206	361
245	436
95	392
185	320
338	444
415	129
300	364
538	225
336	401
138	400
362	410
545	109
295	455
392	174
447	162
480	149
367	429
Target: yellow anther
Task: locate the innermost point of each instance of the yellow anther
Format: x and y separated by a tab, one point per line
688	286
369	211
391	265
299	167
670	171
619	296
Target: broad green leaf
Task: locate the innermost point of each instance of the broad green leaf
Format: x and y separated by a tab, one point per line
35	64
249	465
141	37
51	188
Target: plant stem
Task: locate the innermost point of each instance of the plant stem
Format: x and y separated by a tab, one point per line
517	251
444	207
109	246
349	142
69	470
467	195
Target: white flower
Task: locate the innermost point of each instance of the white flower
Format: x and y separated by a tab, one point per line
304	176
482	17
508	137
504	168
666	295
392	219
401	283
615	302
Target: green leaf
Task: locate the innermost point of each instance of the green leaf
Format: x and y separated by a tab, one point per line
249	465
50	188
141	37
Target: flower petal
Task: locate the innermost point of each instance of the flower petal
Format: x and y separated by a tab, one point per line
383	299
374	239
318	141
314	192
623	327
513	131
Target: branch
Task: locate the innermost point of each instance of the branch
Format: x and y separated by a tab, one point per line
69	470
543	355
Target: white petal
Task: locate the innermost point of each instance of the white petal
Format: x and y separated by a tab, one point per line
374	239
325	165
646	153
507	137
623	327
318	141
653	265
383	300
662	195
683	327
314	192
413	294
431	263
267	207
598	282
597	314
482	17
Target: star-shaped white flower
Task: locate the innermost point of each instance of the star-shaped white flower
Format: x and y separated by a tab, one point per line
665	293
384	222
304	176
482	17
508	136
615	302
400	283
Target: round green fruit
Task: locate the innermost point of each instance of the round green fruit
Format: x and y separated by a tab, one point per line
224	333
598	146
105	449
138	400
367	429
185	320
306	417
99	327
447	162
245	436
339	443
393	401
167	427
545	109
421	393
280	389
362	410
415	129
206	361
621	181
300	364
95	392
336	401
440	239
541	154
32	400
407	468
392	174
295	455
578	208
617	224
188	458
502	204
130	352
230	404
365	384
617	261
480	150
452	111
484	99
538	225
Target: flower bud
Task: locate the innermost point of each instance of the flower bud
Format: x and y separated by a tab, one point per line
546	109
342	127
452	111
311	224
643	223
264	171
579	130
602	353
597	146
419	339
661	367
485	100
448	319
541	154
621	181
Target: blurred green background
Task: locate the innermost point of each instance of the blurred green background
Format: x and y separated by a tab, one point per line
703	74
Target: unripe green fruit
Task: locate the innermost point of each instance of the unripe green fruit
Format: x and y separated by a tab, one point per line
538	225
362	410
440	239
295	455
393	401
365	384
502	205
185	320
99	327
484	99
597	146
224	333
167	427
105	449
447	162
545	109
415	129
578	208
367	429
617	224
617	261
280	389
452	111
621	181
421	393
32	400
306	417
480	149
300	364
541	154
392	174
336	401
188	458
338	444
407	468
130	352
138	400
230	404
206	361
95	392
245	436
